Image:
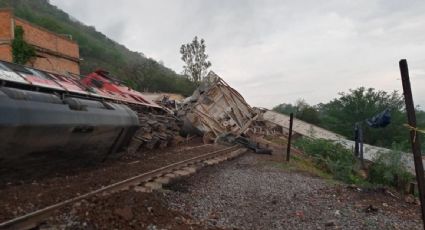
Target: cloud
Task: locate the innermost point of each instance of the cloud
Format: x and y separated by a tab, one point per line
276	51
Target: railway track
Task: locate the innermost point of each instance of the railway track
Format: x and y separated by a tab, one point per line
141	182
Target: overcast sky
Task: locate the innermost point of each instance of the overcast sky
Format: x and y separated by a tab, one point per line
275	51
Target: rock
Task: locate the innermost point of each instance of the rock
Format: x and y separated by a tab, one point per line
299	214
385	204
152	227
330	223
178	220
410	199
126	213
73	211
371	209
213	215
352	186
337	213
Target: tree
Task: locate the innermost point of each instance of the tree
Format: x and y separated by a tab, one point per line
285	108
340	115
309	114
301	110
195	59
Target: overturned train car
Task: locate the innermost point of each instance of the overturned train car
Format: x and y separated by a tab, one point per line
44	113
215	110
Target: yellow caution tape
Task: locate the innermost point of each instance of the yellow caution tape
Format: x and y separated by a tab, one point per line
415	129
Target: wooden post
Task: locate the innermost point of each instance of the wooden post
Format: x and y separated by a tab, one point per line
288	149
356	139
412	188
361	146
414	136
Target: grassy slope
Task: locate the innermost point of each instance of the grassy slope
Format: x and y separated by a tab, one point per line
98	51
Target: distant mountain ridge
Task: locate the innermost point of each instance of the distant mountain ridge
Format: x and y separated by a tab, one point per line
99	51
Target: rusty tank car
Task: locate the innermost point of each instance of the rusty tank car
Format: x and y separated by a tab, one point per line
44	114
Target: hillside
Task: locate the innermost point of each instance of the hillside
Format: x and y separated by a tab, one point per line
98	51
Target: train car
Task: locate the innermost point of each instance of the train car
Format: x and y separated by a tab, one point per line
43	113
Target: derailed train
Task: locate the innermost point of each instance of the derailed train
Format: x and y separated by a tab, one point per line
44	113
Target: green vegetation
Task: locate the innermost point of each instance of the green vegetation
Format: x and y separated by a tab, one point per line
22	52
300	163
388	169
340	114
195	59
301	110
331	157
98	51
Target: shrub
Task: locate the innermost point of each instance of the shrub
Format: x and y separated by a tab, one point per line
332	157
389	168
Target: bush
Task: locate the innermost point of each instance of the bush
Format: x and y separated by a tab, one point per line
389	168
332	157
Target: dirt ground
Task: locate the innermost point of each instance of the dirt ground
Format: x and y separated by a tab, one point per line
52	185
123	210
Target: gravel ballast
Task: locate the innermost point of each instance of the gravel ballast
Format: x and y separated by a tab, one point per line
252	193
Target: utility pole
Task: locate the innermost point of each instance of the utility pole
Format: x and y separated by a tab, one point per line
414	137
288	149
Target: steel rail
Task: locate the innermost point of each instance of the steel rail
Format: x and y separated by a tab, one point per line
32	219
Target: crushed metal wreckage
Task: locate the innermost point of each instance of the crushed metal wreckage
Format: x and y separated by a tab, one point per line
217	112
